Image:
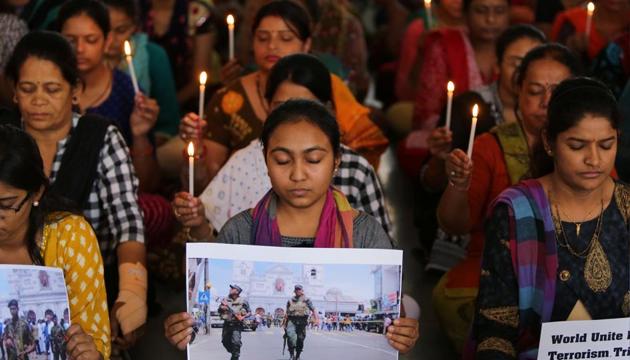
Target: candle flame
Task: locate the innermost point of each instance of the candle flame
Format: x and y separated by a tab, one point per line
450	87
203	77
475	110
427	3
590	7
230	19
127	48
191	149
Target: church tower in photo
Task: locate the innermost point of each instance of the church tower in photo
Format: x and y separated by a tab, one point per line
313	280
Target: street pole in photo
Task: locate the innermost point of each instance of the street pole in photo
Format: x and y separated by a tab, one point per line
205	288
337	309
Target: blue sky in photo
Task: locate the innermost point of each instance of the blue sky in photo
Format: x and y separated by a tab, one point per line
4	283
354	280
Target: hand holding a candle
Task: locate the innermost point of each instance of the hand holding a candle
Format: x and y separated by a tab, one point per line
144	115
459	170
579	42
459	164
192	127
189	211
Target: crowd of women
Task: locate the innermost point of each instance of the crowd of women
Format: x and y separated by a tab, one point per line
530	225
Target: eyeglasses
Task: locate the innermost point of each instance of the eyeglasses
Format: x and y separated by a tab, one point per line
18	207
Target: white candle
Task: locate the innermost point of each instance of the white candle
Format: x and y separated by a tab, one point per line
427	8
230	22
473	128
132	71
450	88
203	77
191	168
590	9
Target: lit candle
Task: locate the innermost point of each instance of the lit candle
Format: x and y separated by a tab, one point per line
590	9
473	127
450	88
230	22
427	8
203	77
191	168
132	71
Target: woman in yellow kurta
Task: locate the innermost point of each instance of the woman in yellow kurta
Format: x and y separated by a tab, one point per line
37	229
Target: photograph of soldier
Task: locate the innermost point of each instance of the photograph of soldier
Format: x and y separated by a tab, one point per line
57	335
17	338
299	308
31	318
275	308
233	310
30	296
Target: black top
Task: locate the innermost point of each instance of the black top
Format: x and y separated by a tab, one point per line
497	317
614	240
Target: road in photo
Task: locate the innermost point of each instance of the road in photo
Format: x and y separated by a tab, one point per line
266	343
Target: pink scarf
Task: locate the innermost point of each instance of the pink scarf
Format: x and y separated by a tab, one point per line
335	223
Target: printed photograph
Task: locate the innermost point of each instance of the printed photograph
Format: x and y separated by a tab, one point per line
311	305
34	313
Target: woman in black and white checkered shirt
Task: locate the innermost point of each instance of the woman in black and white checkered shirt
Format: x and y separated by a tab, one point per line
88	162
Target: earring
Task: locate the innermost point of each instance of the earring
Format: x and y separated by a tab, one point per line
35	203
75	100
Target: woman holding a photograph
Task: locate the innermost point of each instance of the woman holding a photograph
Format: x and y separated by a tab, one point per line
39	229
87	161
301	144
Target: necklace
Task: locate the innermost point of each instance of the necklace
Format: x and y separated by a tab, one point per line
565	241
261	96
578	225
100	97
597	273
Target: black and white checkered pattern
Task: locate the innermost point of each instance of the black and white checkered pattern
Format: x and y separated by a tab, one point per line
112	207
357	179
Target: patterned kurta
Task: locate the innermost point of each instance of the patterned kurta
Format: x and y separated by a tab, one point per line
505	328
69	243
232	121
